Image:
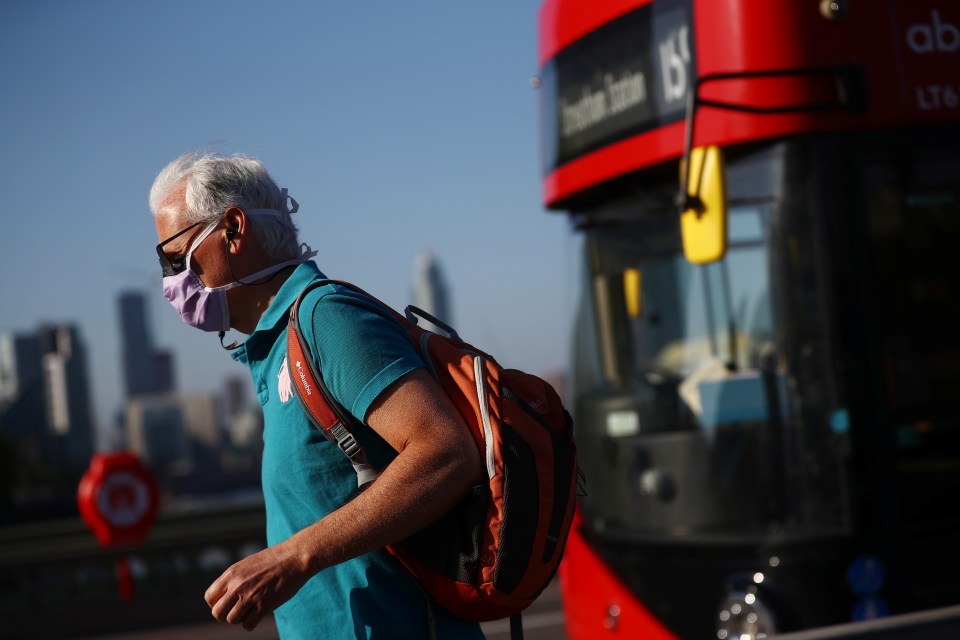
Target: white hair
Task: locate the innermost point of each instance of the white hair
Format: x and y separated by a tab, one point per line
213	182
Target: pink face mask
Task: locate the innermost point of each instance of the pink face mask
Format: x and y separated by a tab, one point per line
206	307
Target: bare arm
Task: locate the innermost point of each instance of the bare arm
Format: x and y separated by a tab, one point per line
436	465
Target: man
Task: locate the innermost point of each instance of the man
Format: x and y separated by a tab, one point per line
231	259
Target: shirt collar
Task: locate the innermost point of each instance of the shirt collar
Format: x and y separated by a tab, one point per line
279	310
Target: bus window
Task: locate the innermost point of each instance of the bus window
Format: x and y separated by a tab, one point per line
709	399
911	201
913	217
697	314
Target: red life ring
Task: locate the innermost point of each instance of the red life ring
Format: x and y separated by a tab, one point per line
118	498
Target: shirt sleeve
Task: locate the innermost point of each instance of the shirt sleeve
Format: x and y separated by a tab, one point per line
360	346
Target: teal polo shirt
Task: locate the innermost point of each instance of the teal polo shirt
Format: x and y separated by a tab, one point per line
362	350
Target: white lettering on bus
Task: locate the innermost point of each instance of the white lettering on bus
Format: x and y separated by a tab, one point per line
674	58
629	91
595	106
932	97
590	109
935	36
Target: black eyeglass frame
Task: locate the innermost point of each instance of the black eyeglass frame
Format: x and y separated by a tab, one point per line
173	267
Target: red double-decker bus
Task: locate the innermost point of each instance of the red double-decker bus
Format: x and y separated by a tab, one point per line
767	399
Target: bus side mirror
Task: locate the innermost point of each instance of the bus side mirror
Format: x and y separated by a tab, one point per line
703	215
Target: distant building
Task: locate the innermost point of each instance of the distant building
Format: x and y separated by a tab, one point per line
191	446
235	394
164	378
146	371
23	414
45	407
204	429
19	365
429	291
68	397
156	432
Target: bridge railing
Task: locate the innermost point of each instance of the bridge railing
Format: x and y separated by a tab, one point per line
57	582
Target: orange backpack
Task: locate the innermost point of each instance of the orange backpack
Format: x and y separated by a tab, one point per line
492	555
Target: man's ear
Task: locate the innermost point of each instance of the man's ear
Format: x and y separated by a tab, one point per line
237	227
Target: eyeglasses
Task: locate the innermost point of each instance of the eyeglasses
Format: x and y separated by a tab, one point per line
176	265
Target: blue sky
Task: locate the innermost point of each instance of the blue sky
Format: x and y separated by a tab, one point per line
397	126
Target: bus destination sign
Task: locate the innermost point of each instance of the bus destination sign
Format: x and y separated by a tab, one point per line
630	75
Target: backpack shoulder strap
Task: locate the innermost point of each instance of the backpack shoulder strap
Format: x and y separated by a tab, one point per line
318	403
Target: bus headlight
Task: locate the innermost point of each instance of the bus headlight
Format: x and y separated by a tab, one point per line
742	616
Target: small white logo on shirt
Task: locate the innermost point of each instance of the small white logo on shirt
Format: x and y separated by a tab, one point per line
284	386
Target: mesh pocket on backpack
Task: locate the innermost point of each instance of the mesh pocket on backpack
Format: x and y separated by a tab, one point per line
521	495
450	545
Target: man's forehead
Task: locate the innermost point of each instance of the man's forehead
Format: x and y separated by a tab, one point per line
169	223
170	217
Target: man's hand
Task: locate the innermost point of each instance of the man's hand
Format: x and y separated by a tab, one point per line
255	586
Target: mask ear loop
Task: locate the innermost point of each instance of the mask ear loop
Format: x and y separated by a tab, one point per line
196	243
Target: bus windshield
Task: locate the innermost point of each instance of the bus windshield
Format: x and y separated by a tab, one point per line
733	399
715	317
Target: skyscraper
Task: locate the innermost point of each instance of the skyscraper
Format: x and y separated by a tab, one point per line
45	409
19	364
145	370
23	420
46	421
66	383
429	291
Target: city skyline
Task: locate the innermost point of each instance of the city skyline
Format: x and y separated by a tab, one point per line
410	127
146	370
195	443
